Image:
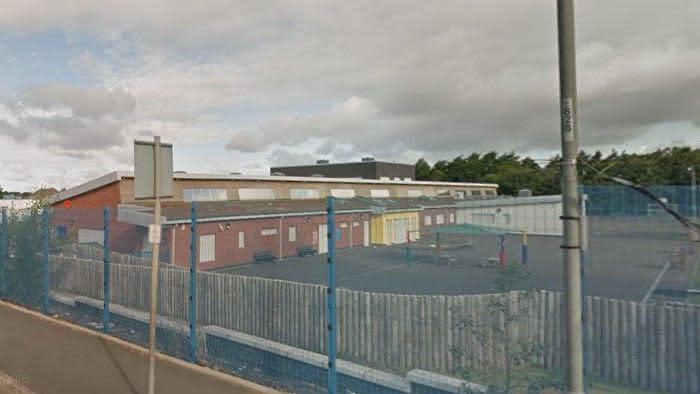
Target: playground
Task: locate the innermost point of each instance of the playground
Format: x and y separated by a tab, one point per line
468	264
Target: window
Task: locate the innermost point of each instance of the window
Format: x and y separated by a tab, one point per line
292	234
343	193
268	231
343	225
207	248
204	195
355	224
476	192
256	194
442	192
379	193
428	220
241	239
415	193
452	218
490	193
87	236
440	219
303	194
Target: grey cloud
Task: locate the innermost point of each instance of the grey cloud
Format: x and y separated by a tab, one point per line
399	78
76	121
90	102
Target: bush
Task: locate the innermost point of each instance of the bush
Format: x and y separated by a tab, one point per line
264	256
22	275
306	250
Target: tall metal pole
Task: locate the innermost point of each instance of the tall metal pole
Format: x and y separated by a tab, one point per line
693	191
193	283
47	271
570	194
106	270
155	241
332	328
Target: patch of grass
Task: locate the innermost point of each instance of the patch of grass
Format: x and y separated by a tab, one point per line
606	388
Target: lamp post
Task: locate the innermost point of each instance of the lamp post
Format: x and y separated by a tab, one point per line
570	195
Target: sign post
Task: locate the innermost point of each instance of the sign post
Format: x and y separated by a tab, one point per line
153	179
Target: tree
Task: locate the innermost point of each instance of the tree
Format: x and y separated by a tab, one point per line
505	312
22	279
2	193
511	172
423	170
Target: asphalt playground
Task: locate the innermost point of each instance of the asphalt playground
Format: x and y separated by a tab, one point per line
620	263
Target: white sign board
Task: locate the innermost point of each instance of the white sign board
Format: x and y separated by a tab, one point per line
144	164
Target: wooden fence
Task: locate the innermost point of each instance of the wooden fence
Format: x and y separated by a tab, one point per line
654	346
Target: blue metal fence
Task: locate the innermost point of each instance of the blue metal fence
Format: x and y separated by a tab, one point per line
611	200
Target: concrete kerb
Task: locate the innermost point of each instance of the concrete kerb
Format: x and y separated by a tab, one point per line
204	371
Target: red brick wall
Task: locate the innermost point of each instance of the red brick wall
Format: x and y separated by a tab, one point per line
433	212
86	211
226	243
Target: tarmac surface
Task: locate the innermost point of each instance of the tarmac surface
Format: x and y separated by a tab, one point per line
44	355
620	263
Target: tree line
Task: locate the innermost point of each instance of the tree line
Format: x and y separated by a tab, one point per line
667	166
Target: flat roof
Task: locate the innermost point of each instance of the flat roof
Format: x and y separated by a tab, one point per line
362	162
119	175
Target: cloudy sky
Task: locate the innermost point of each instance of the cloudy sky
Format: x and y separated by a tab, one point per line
240	86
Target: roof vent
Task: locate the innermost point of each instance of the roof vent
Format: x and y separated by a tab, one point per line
367	159
235	173
322	161
277	173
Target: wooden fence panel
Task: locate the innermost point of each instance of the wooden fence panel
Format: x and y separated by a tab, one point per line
653	346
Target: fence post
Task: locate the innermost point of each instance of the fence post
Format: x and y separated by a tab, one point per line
524	248
47	274
3	251
106	271
332	331
193	284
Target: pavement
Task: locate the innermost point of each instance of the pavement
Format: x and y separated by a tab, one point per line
45	355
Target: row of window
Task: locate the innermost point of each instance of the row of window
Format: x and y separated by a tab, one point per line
439	219
209	194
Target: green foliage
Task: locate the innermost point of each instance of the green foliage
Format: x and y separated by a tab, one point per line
668	166
22	275
496	330
2	193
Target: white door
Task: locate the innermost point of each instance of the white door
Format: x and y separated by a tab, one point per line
322	238
400	231
366	233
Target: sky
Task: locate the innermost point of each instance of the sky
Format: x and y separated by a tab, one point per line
242	85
